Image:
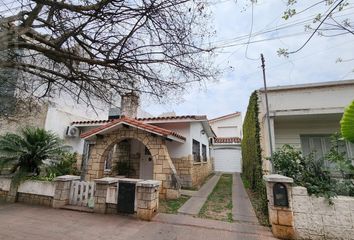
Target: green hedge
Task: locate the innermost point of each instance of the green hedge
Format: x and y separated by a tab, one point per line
252	160
251	149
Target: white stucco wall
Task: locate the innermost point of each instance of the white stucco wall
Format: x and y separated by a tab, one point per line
37	187
5	184
190	130
295	110
228	127
63	112
177	149
309	99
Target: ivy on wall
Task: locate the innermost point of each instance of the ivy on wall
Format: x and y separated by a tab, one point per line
251	149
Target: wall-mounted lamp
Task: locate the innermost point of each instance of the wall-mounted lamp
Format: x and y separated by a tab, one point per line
202	131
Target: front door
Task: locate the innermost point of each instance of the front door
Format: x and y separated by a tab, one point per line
146	164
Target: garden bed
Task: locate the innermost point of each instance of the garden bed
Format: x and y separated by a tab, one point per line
219	203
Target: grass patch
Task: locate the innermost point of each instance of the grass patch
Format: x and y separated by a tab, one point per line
219	203
172	205
196	188
259	203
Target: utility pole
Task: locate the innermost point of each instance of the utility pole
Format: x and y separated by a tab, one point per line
267	107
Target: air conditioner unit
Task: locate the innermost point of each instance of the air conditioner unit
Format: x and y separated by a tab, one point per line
72	131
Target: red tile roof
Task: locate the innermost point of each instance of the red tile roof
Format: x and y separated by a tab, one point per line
183	117
134	123
225	116
227	140
93	121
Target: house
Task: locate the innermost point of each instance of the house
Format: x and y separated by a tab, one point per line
304	116
226	147
172	149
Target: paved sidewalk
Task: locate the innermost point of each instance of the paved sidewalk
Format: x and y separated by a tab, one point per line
241	228
27	222
242	210
196	202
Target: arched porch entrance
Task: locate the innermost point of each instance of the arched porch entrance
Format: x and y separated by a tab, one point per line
129	158
153	150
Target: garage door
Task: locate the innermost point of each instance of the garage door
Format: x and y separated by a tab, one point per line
227	160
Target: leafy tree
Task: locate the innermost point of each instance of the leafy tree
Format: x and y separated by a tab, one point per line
99	49
24	153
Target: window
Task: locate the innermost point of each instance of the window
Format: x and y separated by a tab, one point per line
196	151
204	153
320	145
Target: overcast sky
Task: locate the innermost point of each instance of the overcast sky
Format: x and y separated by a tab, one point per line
241	71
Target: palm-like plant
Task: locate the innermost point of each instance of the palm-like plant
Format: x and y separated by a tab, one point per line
347	123
24	153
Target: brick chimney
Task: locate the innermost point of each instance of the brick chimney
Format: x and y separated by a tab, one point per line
130	104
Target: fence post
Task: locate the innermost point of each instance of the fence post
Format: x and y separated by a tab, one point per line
147	199
62	190
102	185
279	196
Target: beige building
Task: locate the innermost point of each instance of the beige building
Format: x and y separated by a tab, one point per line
304	116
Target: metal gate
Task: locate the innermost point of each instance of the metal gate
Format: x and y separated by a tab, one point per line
126	197
82	193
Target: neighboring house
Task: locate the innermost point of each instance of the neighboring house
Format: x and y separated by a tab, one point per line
226	147
304	116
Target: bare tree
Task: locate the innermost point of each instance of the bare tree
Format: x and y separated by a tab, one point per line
96	49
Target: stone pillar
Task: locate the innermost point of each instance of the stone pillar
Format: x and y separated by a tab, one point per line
280	215
62	190
12	193
102	185
147	199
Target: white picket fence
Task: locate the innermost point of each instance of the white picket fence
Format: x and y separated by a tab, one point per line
81	193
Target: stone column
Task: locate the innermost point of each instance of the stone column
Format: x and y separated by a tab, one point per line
102	185
281	217
62	190
147	199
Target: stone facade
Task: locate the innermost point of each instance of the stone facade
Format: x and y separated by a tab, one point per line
62	190
35	199
315	218
147	199
163	169
192	174
309	217
3	195
280	217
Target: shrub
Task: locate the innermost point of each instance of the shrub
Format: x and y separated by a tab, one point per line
289	162
27	151
67	166
314	174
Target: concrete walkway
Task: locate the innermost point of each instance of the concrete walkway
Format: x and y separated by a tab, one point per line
242	210
196	202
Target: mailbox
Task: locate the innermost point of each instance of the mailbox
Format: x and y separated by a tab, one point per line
280	195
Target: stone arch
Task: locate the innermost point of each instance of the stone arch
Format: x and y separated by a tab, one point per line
163	168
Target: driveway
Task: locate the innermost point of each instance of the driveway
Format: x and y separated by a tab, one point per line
19	221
